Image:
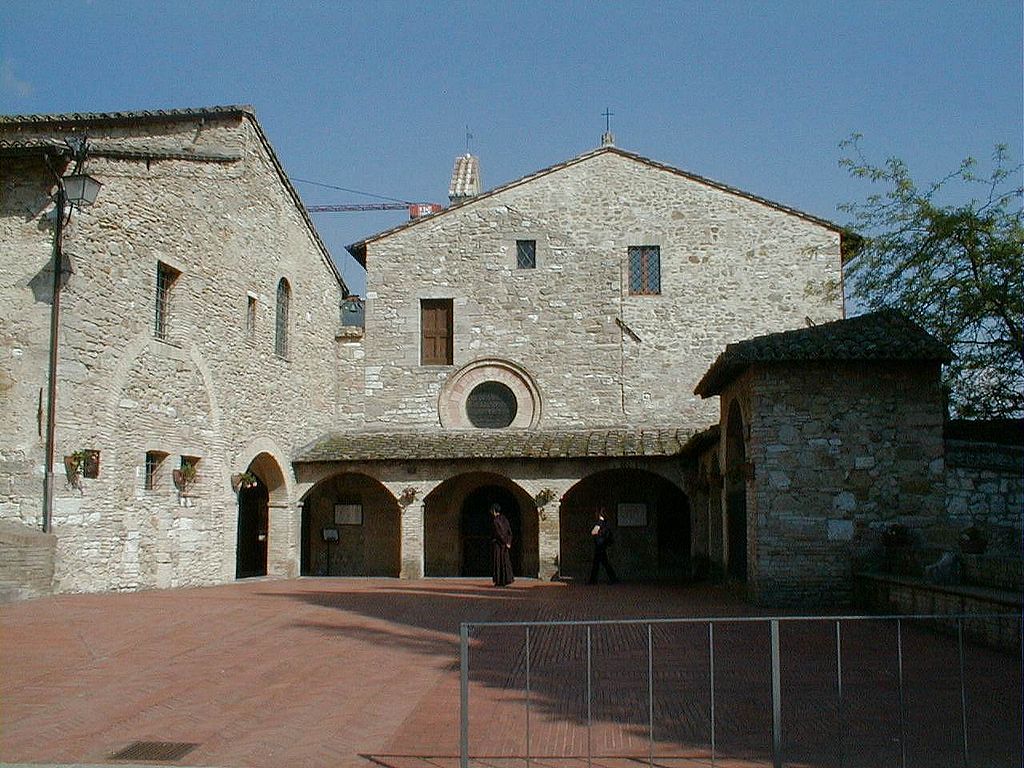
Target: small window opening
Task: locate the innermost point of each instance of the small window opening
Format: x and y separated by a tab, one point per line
644	269
154	462
166	277
250	318
284	297
526	254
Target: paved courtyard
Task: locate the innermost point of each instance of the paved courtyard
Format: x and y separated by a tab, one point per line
363	672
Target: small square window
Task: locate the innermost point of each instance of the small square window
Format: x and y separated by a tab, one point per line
644	270
526	254
154	461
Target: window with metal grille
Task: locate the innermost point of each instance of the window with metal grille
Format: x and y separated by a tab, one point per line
526	254
166	276
284	297
250	318
154	460
436	332
644	269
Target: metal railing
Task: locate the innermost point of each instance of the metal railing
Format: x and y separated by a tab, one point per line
645	630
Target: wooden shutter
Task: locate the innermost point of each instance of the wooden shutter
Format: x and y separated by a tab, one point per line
436	332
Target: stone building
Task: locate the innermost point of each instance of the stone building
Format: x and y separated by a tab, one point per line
538	345
554	345
193	337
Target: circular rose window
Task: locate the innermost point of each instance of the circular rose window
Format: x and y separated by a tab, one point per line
491	405
489	393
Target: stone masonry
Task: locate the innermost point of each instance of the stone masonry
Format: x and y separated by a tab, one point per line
201	192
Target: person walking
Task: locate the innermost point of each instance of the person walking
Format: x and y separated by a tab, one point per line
501	548
601	535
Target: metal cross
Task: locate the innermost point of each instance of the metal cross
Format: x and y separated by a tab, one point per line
468	137
607	119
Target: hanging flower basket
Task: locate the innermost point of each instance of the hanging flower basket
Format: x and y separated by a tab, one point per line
243	481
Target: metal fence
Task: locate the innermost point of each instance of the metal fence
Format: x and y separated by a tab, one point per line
825	691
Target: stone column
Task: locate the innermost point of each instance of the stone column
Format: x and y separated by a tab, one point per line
549	542
412	540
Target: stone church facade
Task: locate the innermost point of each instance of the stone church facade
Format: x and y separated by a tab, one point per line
607	333
538	345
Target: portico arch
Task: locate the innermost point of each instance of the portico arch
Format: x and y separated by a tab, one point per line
351	526
457	526
650	517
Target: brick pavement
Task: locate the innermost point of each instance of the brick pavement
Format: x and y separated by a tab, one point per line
362	672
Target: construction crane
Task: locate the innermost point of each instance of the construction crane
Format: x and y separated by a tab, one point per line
416	210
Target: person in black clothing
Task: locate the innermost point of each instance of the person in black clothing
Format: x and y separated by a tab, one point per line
601	534
501	548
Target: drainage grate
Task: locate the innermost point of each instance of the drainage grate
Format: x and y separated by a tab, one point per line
154	750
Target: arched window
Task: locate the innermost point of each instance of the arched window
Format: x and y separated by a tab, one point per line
284	297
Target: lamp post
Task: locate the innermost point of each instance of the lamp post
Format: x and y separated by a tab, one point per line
74	189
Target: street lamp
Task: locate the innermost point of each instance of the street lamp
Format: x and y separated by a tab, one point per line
74	189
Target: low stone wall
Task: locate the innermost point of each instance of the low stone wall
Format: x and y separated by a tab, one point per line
999	611
26	562
985	489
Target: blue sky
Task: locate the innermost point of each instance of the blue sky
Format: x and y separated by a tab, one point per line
376	96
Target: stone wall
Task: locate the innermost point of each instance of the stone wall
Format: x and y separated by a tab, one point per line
985	489
731	267
835	452
213	389
26	561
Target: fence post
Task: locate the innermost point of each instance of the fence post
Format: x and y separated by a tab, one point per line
899	668
711	684
963	688
839	695
650	694
527	696
776	698
464	696
589	751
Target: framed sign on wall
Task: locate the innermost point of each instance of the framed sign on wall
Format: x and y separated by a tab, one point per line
348	514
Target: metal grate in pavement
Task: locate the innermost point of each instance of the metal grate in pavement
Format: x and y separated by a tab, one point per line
168	751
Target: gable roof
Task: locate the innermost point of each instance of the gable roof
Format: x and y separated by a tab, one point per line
86	119
882	335
358	250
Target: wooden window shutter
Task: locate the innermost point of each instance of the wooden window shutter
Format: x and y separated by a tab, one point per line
436	332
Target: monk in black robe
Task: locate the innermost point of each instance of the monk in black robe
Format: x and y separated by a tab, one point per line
501	548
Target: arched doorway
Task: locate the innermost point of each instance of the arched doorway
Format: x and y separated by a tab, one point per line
253	526
735	494
351	526
475	529
457	526
650	517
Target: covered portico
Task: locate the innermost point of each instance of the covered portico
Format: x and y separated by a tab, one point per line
414	503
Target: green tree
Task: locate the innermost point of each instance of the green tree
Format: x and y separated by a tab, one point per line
951	257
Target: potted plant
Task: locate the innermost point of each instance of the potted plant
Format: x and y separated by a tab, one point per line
73	465
185	478
972	540
243	481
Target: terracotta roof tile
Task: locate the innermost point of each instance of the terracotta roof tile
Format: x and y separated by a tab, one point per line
882	335
365	446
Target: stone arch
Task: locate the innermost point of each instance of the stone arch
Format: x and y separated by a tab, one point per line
650	516
451	401
262	457
351	526
456	525
736	471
